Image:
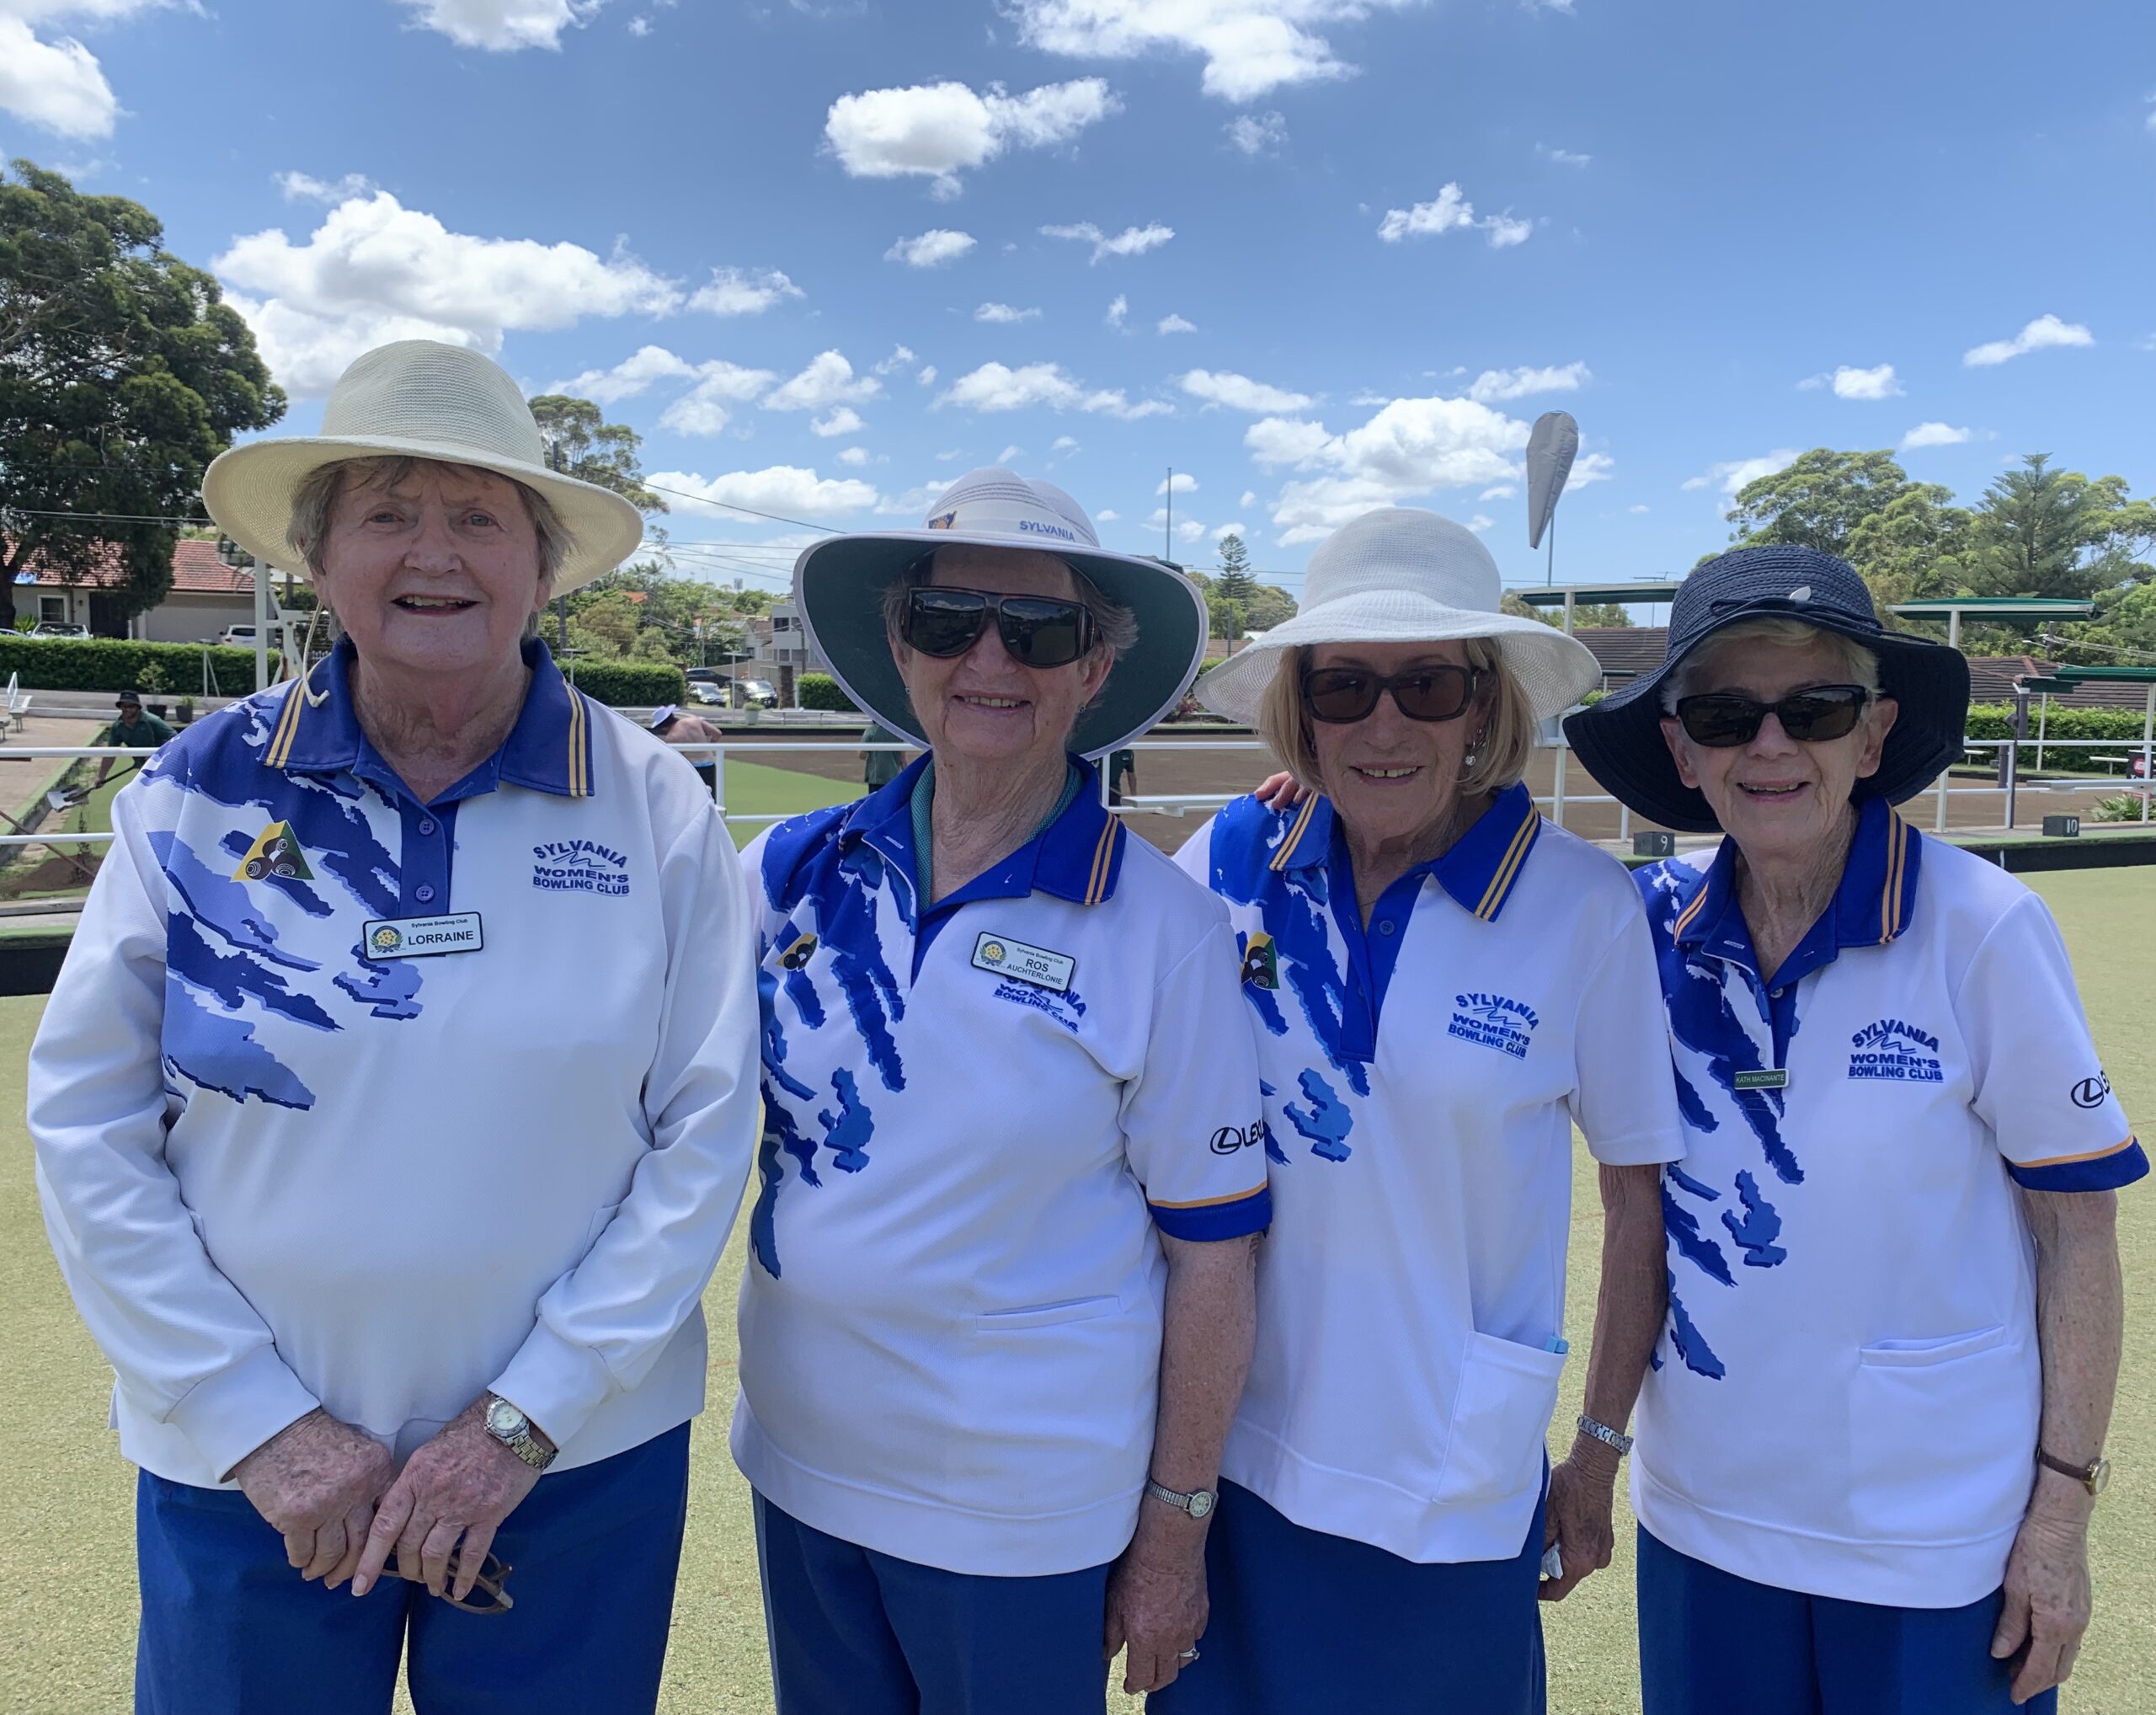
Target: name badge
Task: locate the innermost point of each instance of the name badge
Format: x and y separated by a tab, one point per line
1774	1078
1022	964
422	937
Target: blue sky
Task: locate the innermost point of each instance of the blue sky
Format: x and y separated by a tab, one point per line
1389	233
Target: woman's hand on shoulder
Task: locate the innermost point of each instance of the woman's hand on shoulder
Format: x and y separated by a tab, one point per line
1281	790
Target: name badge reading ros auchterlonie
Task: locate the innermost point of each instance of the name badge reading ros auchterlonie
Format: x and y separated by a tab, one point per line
1773	1078
422	937
1034	964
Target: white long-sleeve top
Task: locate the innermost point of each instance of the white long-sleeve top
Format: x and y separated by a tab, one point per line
279	1171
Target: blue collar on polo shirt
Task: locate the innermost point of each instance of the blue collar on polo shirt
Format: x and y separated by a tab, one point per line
1077	857
1479	873
548	750
1871	905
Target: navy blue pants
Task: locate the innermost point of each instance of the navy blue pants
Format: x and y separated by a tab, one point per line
856	1632
1711	1642
1304	1623
230	1628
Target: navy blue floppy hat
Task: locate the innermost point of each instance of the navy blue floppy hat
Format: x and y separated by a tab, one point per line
1620	739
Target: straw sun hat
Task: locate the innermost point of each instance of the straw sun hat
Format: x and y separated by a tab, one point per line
839	585
419	399
1403	575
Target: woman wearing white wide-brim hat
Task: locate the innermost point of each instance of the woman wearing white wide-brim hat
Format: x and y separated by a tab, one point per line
394	1101
1443	986
997	1307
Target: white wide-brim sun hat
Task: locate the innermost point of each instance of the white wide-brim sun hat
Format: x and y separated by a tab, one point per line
1405	575
839	585
417	398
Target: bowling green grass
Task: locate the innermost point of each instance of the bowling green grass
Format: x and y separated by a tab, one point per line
67	1605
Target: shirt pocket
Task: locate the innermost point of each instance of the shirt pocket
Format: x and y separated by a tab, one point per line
1500	1418
992	1322
1936	1428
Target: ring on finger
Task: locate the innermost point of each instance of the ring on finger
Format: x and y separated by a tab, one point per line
1189	1655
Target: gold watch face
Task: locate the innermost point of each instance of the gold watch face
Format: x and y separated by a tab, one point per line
2099	1476
505	1420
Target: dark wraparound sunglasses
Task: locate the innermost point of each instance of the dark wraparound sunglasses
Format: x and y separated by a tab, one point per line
488	1596
1339	695
1722	720
1039	631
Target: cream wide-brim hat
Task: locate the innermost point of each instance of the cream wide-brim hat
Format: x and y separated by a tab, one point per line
1405	575
417	398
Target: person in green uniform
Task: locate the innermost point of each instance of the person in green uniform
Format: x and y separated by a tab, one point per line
880	767
132	731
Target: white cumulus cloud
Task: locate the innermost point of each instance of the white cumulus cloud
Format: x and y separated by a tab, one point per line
1260	134
1493	386
2046	331
1848	383
845	420
503	26
1449	211
1934	435
938	130
1251	47
1732	475
854	456
53	81
1410	448
784	489
1239	393
1175	325
704	408
1500	491
303	187
1592	467
1005	313
632	375
996	386
1562	157
375	270
828	380
1131	241
737	292
1118	310
1181	482
931	249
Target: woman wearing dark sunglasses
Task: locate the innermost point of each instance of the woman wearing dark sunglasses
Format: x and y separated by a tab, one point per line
999	1301
1443	986
1871	1442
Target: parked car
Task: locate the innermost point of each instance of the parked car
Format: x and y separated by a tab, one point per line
702	691
756	693
705	676
238	637
58	627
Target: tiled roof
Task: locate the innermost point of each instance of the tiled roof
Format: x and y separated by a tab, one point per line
1626	651
197	570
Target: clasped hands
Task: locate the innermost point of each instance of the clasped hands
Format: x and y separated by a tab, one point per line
344	1509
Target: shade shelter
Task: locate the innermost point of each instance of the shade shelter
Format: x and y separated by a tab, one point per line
2074	678
2006	610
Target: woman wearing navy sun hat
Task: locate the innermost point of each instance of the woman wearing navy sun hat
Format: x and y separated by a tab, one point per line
1874	1435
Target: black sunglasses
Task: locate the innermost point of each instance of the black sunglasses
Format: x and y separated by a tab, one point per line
1340	696
1722	720
1039	631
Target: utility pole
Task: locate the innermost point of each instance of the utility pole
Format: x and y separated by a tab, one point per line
559	466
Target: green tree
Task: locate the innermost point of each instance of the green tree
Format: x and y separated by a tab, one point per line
1227	617
123	372
1819	501
587	446
2042	532
1235	580
1916	546
1268	606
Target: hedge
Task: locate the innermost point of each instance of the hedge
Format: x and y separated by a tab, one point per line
115	663
2117	726
631	684
821	691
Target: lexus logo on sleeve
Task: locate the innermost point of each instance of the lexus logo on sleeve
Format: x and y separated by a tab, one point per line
1230	1138
2092	1093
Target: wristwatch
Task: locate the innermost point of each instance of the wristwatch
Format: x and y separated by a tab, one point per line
1197	1503
2091	1477
513	1429
1604	1434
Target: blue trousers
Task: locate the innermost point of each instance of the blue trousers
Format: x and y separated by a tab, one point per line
855	1632
1304	1623
1711	1642
230	1628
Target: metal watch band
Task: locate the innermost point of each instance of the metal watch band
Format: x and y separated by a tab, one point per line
1197	1503
1604	1434
523	1444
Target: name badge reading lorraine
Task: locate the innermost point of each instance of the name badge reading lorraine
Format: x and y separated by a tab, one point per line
422	937
1773	1078
1022	964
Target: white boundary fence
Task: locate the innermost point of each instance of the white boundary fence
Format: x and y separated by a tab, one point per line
1556	803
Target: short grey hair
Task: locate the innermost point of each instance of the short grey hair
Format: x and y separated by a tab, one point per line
1115	627
319	496
1858	662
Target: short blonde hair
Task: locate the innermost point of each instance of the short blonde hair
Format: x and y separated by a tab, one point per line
1500	753
1859	663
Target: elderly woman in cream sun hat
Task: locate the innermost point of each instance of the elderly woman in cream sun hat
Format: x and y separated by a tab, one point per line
1443	986
393	1103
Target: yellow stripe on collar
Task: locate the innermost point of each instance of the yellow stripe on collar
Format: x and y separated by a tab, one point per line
579	742
288	725
1684	917
1294	834
1892	903
1501	883
1103	860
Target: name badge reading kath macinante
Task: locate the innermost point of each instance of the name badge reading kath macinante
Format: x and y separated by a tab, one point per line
1022	964
423	938
1772	1078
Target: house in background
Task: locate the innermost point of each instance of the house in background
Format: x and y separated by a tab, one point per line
206	596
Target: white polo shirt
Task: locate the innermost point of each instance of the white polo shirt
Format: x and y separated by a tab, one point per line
1421	1082
1846	1403
977	1117
281	1167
